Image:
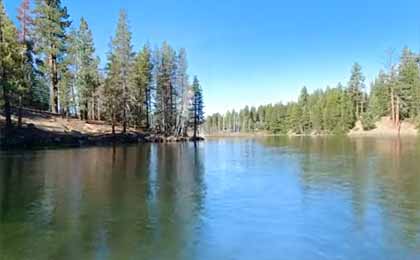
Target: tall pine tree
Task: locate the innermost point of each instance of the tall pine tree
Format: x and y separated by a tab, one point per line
51	23
10	64
356	89
197	107
120	62
143	83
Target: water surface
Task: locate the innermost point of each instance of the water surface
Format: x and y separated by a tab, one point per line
265	198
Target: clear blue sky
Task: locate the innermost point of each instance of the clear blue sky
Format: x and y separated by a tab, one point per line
257	52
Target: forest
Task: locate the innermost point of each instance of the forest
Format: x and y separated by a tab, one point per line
395	93
48	64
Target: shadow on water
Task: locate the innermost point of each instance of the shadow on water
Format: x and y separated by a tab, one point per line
117	203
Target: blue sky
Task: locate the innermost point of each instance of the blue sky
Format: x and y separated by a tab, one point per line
257	52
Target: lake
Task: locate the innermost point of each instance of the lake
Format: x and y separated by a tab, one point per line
262	198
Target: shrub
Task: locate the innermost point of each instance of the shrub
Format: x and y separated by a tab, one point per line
368	121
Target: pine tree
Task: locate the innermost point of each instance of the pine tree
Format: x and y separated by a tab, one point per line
36	95
120	61
294	116
10	63
356	89
112	91
197	107
316	110
305	120
86	72
166	94
408	85
182	90
51	23
66	93
143	80
347	117
379	98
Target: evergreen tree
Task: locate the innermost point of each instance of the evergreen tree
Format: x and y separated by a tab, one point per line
316	110
51	23
408	85
86	70
10	63
356	89
120	62
379	98
294	118
197	107
183	91
36	95
166	94
347	116
305	120
143	80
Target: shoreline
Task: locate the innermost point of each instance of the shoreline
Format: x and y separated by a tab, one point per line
369	133
46	130
30	137
43	130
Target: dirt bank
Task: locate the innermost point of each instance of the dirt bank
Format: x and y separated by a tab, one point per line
385	127
41	129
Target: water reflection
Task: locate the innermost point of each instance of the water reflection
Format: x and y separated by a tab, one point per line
99	203
300	198
379	178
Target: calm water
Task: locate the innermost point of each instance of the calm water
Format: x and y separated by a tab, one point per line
272	198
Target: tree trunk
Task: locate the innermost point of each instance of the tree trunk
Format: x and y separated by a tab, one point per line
99	110
86	111
124	107
195	121
7	107
54	84
20	112
392	106
397	114
147	110
73	96
124	121
113	123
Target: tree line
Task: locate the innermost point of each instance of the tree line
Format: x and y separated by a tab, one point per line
47	64
394	93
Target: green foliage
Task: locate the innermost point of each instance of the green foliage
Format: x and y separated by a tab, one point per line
166	92
368	121
51	23
142	74
45	64
119	84
379	98
80	73
11	60
327	111
408	85
356	89
336	110
196	107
